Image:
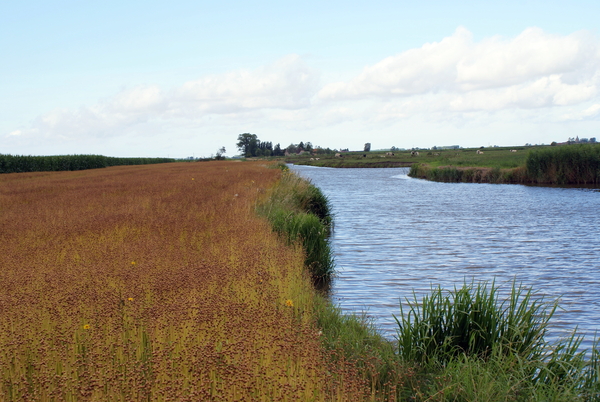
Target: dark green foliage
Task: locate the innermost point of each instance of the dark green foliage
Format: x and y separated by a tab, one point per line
472	321
300	212
20	164
485	347
568	164
310	231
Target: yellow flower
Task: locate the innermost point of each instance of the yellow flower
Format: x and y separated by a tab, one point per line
86	326
192	178
289	303
132	262
130	298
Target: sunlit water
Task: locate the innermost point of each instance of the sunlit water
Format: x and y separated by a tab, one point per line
394	235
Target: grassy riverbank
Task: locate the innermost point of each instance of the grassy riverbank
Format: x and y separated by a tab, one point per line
546	165
161	282
552	165
467	344
491	157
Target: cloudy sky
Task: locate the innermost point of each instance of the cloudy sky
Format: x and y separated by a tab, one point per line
183	78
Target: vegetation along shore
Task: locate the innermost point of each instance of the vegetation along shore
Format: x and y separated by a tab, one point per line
545	165
195	281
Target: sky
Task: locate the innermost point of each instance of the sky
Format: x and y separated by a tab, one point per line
185	78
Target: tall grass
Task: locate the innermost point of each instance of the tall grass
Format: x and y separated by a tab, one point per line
300	212
473	321
570	164
22	163
454	174
470	344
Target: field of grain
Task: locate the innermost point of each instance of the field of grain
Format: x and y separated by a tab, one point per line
154	282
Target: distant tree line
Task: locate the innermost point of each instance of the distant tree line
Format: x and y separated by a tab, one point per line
250	146
21	163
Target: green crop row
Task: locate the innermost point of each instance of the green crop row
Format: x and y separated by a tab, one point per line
22	163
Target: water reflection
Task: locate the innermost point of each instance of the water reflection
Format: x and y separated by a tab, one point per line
395	235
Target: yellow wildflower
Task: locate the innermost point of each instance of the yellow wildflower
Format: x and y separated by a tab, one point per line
289	303
133	263
86	326
130	298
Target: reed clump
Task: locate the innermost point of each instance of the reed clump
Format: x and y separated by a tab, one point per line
568	164
469	344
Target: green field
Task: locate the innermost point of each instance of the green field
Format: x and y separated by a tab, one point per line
500	157
577	164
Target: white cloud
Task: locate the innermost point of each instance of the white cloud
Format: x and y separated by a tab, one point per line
590	113
450	83
535	69
286	84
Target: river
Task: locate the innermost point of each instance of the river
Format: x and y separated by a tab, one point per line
394	235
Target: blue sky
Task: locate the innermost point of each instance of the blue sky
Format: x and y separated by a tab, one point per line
184	78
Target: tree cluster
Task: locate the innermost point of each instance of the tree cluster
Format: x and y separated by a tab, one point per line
249	146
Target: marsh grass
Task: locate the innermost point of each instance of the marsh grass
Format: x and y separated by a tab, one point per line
300	212
469	344
570	164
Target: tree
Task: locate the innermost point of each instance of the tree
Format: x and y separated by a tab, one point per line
368	147
248	144
220	153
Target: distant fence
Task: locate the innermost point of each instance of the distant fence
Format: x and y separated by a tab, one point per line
20	163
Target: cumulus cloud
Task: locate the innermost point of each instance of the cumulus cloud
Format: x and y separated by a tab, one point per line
452	81
288	84
534	69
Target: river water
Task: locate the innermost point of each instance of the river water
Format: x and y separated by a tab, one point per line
394	235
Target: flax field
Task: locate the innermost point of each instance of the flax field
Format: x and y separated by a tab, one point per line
155	283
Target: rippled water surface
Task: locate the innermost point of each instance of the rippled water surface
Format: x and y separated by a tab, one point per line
394	234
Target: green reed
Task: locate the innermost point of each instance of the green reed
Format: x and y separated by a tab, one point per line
300	212
567	164
472	320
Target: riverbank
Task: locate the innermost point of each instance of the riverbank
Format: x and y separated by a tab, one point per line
369	212
577	164
161	282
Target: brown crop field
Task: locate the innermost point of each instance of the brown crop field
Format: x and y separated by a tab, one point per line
155	282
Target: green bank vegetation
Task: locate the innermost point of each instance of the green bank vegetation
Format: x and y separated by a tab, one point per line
577	164
466	344
22	163
492	157
550	165
300	212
